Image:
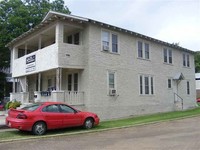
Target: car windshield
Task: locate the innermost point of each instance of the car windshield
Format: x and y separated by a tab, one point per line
31	107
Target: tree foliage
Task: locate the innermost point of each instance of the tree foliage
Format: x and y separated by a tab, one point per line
197	62
18	16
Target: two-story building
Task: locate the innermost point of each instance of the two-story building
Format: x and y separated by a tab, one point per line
102	68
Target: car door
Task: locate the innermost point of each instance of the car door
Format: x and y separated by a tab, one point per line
71	116
53	116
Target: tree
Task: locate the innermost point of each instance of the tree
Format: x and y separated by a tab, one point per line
18	16
197	62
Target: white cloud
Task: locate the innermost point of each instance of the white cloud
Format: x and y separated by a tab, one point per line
168	20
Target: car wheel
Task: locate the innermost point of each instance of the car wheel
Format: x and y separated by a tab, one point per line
39	128
89	123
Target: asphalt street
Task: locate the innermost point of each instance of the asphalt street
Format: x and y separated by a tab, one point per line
173	135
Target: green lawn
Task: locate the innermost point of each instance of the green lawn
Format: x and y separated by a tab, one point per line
138	120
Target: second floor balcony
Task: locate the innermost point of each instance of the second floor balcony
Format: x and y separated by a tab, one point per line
48	50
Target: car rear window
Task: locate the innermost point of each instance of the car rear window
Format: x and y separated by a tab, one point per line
31	107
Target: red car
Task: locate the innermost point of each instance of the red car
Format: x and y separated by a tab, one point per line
40	117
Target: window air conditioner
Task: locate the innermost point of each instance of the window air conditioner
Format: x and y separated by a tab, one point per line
106	48
112	92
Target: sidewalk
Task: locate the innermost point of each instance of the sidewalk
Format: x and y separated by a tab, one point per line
2	119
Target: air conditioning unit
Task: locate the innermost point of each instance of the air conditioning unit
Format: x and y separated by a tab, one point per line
105	48
112	92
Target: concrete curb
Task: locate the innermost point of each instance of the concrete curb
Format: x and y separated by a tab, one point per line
92	130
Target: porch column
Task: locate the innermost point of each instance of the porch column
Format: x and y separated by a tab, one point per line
39	81
58	78
59	33
13	86
25	84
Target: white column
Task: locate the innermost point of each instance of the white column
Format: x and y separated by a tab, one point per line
39	81
58	78
13	86
59	33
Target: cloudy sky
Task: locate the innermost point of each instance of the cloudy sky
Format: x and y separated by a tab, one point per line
173	21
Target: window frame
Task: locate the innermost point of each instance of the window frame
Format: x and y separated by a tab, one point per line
73	38
168	56
169	83
146	85
110	43
108	80
186	60
143	50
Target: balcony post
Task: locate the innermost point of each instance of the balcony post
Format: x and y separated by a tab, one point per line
58	79
13	86
39	81
59	33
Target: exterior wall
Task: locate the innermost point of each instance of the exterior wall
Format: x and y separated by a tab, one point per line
128	67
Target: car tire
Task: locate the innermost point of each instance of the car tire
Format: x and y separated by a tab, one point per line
89	123
39	128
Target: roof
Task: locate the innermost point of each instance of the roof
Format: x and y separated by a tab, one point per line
179	76
52	16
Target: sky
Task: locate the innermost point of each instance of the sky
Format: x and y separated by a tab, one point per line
172	21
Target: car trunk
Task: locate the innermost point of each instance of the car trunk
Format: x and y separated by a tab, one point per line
14	112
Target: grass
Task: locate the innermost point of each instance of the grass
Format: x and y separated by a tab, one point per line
138	120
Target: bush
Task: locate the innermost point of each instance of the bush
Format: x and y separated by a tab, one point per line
13	104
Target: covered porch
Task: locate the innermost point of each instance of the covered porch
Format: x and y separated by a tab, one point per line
60	84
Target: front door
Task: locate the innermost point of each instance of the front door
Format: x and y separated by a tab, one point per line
72	82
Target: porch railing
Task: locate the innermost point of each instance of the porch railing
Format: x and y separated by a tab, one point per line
178	99
74	98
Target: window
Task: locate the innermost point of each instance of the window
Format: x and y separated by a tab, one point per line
167	53
114	43
188	87
66	109
109	42
186	60
169	83
76	39
111	80
140	49
72	82
73	39
146	85
51	108
143	50
146	51
146	81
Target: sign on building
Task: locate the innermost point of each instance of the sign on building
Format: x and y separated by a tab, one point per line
30	63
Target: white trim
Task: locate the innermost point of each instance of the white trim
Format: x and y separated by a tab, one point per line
51	13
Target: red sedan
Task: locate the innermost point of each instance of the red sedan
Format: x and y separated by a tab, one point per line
40	117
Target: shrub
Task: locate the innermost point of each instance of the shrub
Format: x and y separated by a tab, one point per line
13	104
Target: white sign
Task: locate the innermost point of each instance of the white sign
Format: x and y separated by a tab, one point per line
30	63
